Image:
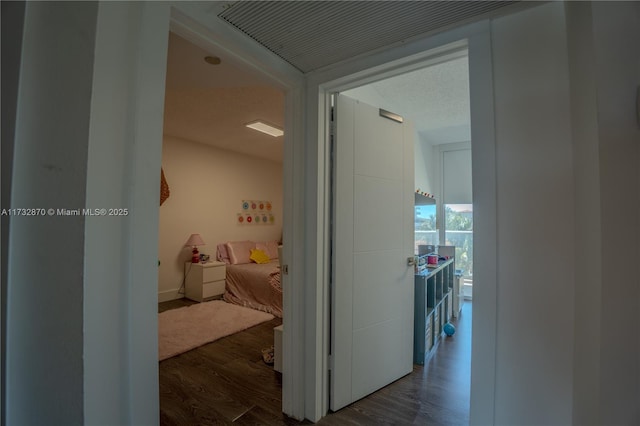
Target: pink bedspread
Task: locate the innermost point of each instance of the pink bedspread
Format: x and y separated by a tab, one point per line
253	285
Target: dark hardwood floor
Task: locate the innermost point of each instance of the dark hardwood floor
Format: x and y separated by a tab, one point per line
226	382
434	394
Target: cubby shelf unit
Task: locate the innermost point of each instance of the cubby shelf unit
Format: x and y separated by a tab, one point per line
433	306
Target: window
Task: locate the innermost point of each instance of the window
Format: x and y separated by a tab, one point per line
426	228
459	232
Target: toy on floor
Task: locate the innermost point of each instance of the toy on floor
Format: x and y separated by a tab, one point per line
267	355
449	329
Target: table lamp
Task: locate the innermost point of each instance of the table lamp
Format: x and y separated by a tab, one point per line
194	241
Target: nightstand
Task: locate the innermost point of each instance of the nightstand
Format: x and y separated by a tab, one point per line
204	280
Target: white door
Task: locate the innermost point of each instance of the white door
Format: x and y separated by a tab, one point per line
372	284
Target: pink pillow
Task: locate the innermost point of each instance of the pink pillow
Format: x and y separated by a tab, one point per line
239	251
221	253
269	247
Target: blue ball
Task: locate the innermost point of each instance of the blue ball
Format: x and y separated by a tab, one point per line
449	329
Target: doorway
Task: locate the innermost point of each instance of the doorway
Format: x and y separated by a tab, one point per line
419	55
435	98
271	72
211	161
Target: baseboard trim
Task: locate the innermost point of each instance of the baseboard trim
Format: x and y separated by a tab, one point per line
165	296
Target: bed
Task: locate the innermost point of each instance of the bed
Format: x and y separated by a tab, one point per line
252	278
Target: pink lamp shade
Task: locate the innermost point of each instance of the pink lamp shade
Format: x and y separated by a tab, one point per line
194	240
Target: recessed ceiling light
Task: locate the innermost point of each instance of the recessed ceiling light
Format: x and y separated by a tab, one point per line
265	128
213	60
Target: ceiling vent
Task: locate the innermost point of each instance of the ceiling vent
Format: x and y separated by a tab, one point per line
313	34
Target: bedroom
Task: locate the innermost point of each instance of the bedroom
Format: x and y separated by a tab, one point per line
211	162
213	165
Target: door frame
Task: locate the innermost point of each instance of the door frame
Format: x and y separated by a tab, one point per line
476	38
188	23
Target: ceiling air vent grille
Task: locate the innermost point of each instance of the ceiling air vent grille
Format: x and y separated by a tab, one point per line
314	34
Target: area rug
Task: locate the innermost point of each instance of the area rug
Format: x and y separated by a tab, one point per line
183	329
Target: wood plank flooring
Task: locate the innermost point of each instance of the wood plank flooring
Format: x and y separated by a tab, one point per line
227	383
434	394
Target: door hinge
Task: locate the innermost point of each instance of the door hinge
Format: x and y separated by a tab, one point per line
285	269
332	122
330	362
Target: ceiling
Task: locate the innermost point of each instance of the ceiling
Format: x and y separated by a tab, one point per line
211	104
435	99
311	35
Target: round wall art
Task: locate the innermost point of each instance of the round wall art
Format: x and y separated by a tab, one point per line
256	212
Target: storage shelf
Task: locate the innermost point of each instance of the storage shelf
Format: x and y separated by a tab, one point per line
433	300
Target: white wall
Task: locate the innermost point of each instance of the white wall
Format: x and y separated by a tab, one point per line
567	349
44	382
207	187
426	167
79	346
588	296
535	218
12	27
456	173
120	273
70	349
609	71
617	30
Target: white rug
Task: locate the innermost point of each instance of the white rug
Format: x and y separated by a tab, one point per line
183	329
